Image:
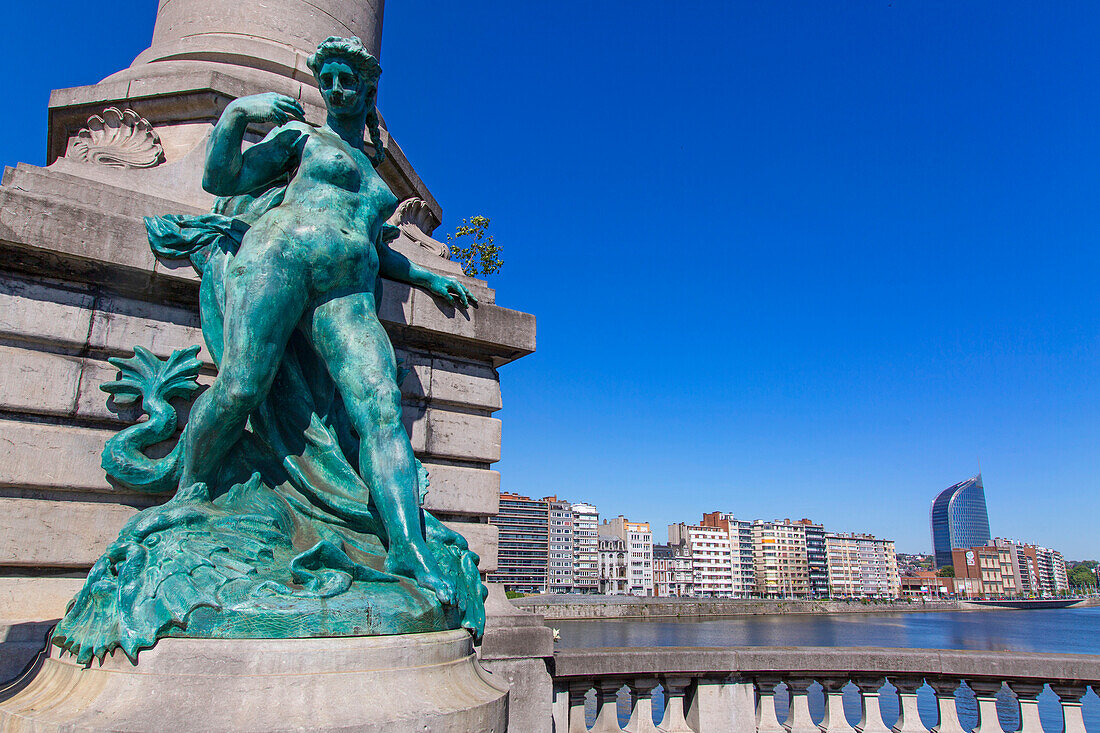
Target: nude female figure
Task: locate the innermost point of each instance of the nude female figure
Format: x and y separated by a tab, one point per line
311	263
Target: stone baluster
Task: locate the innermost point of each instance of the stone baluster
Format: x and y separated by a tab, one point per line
607	706
1070	693
945	703
871	719
834	720
1027	693
577	691
674	720
985	691
641	710
766	719
722	703
798	708
559	709
909	720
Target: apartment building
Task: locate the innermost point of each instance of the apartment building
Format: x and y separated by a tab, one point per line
613	576
817	562
742	569
1053	579
1025	565
709	550
861	566
638	538
523	547
586	557
780	560
672	571
992	569
560	547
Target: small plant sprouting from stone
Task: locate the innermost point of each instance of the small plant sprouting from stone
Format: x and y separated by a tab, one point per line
472	247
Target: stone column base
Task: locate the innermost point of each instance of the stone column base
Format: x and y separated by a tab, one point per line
396	684
518	648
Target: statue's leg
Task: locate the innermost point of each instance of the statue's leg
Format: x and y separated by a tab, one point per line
265	296
346	333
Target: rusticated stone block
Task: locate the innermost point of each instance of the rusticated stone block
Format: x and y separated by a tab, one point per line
59	534
464	437
119	324
52	182
483	541
33	599
465	383
44	314
39	456
456	489
30	221
32	381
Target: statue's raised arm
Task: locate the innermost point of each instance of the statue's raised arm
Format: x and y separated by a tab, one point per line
231	172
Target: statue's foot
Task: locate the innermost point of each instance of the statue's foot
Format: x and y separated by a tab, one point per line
437	532
416	561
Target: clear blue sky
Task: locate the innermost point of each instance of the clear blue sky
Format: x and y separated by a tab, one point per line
788	259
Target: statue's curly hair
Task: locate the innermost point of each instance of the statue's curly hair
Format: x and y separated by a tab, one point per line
366	65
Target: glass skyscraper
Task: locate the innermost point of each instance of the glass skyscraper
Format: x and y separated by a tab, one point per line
959	519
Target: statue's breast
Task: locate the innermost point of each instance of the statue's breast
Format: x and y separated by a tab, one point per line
329	164
380	195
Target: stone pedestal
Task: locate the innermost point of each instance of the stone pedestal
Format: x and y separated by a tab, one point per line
390	684
518	648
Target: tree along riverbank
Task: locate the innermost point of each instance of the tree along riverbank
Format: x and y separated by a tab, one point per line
577	608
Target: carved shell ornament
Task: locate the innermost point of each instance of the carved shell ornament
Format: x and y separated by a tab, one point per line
414	218
118	139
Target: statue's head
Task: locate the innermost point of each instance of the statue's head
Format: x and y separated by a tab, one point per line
348	77
346	73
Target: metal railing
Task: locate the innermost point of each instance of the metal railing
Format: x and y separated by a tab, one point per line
708	690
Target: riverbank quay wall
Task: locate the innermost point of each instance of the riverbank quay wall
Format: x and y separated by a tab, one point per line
590	608
565	608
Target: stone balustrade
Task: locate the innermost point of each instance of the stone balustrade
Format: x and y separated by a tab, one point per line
714	690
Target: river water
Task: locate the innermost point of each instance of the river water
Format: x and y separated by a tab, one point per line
1065	630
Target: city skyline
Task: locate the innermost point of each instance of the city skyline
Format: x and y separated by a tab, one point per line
551	545
785	259
929	550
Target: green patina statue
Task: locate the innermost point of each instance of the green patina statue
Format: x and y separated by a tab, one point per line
296	507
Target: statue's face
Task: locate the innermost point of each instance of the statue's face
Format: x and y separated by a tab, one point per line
345	92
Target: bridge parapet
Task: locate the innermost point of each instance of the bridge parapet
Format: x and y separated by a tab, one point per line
718	690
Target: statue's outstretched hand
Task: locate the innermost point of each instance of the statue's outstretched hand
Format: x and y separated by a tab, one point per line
269	107
453	291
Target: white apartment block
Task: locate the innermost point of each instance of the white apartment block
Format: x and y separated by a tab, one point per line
743	567
712	570
1053	578
638	540
586	556
862	566
560	546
